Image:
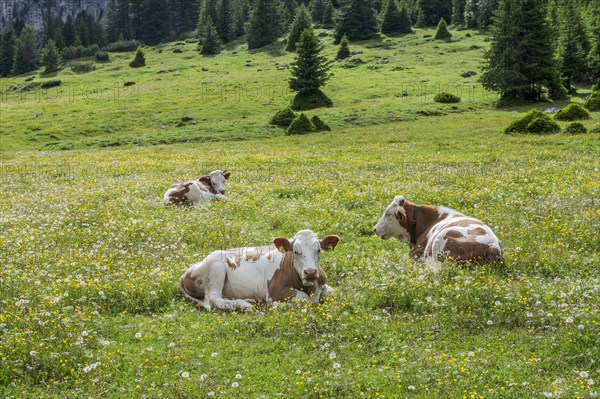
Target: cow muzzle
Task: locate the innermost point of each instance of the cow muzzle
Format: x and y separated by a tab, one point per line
311	273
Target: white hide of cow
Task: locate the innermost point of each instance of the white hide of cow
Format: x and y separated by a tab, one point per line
198	192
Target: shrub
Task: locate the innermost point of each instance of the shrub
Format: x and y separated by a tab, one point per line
139	60
50	83
595	130
534	121
593	101
304	101
572	112
283	118
300	125
82	67
319	125
446	98
70	53
123	46
575	128
102	56
344	50
442	32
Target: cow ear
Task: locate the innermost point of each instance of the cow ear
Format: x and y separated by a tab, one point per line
401	214
226	175
282	243
205	180
329	242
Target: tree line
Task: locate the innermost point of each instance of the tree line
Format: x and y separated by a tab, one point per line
539	46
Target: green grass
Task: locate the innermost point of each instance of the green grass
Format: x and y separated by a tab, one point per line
91	257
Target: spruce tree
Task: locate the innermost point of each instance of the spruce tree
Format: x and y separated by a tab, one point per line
442	32
288	12
320	10
224	22
68	31
210	43
310	72
208	10
184	15
302	21
570	52
7	53
239	17
50	57
117	22
263	24
139	60
593	57
405	21
431	11
327	18
458	12
344	50
472	14
520	60
390	17
26	56
357	21
155	24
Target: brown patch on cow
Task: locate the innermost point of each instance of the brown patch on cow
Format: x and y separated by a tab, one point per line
226	174
466	249
179	196
206	182
428	216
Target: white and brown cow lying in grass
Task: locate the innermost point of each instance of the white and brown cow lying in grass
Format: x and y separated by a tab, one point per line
198	192
237	278
439	233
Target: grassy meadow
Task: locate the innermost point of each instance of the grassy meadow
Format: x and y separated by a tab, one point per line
89	305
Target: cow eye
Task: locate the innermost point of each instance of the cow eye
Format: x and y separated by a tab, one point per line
296	252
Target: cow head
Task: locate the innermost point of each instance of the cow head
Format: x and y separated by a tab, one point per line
389	225
216	180
306	251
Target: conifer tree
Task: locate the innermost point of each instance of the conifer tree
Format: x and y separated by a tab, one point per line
210	42
458	12
7	53
442	32
593	57
184	15
344	50
322	11
390	17
208	10
405	21
472	14
239	17
263	24
26	56
520	60
154	27
50	57
288	11
117	24
302	21
225	20
310	72
68	31
431	11
570	52
139	60
357	21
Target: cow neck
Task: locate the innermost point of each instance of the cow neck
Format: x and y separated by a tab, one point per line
285	279
209	187
421	217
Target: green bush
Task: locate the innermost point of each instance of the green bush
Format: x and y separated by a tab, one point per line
70	53
139	60
82	67
302	102
595	130
102	56
319	125
123	46
572	112
50	83
534	121
593	101
344	50
575	128
300	125
283	118
442	32
446	98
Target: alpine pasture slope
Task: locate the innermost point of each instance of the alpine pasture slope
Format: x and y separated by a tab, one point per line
91	256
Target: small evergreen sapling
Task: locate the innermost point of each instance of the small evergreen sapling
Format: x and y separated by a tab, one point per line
139	60
442	32
51	57
344	50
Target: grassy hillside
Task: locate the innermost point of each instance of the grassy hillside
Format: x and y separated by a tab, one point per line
91	256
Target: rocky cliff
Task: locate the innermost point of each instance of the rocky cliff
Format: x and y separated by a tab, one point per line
33	11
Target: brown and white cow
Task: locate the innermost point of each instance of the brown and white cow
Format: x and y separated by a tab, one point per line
198	192
237	278
439	233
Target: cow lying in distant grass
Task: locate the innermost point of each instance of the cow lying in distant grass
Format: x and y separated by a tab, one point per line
198	192
237	278
436	234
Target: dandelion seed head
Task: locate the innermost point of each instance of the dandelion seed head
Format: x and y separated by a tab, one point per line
138	335
569	320
584	374
185	374
235	384
411	388
489	322
332	355
336	366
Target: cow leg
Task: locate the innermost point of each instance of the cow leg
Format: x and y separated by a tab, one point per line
327	291
215	282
